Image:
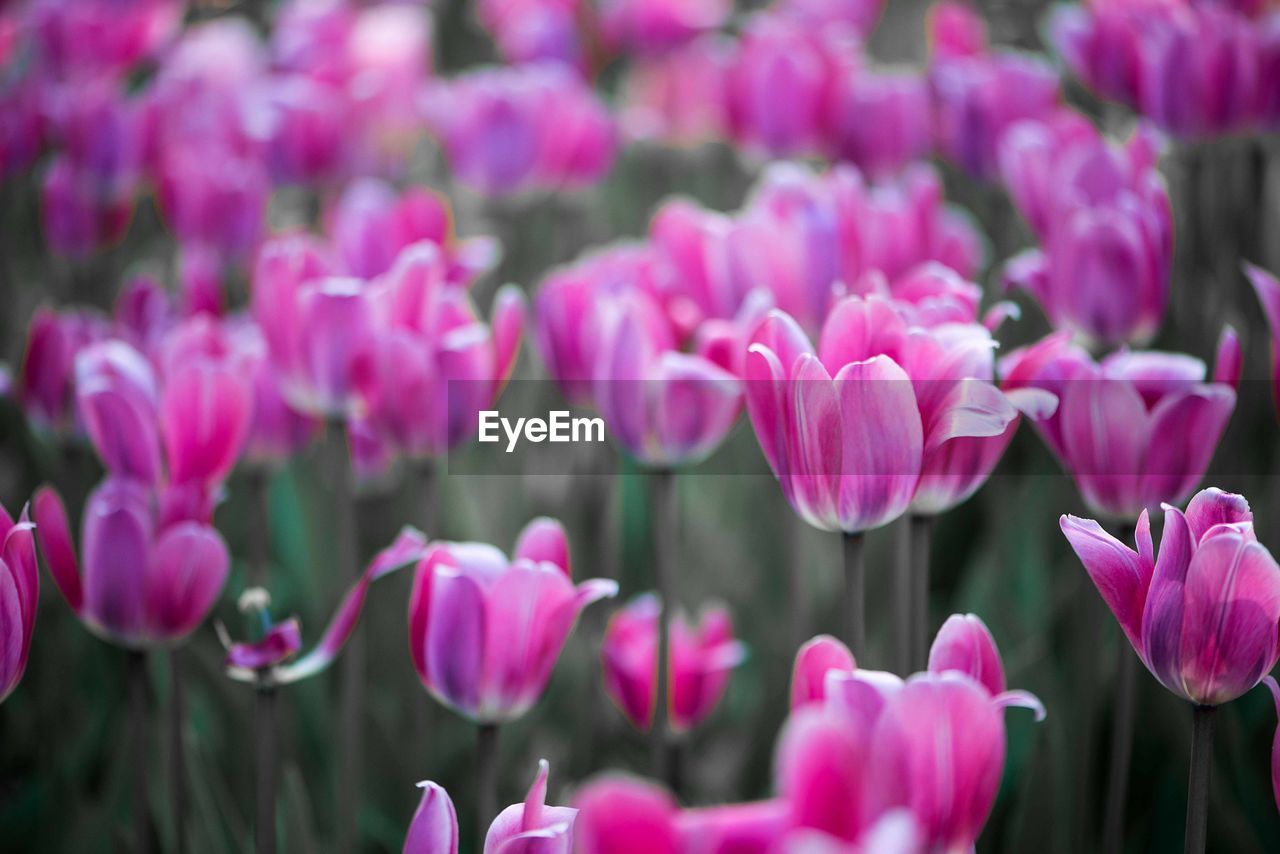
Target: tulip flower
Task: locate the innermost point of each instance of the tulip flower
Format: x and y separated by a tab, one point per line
814	660
86	38
896	106
140	582
1202	614
434	829
515	613
532	824
1103	216
702	657
432	364
1134	430
1274	688
1268	290
678	97
45	380
19	592
860	16
528	31
649	27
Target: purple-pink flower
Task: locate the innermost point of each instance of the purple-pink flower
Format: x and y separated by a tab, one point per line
702	657
1134	430
19	593
1204	613
485	630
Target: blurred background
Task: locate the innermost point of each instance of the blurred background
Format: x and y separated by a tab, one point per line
63	757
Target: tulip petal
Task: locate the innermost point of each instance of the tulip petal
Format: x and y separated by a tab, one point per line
972	408
1212	507
509	311
819	772
1185	430
117	542
1119	573
188	566
1268	290
814	660
204	419
434	829
1228	367
1274	688
54	535
455	641
618	814
1021	700
541	540
1106	432
883	443
964	643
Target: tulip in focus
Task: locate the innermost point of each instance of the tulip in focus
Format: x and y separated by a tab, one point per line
19	593
1134	430
485	630
140	581
701	659
1204	613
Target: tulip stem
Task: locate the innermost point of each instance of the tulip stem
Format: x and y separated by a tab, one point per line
422	708
1202	724
351	742
259	527
903	602
1121	750
266	767
486	780
799	590
139	728
665	529
921	546
177	760
855	578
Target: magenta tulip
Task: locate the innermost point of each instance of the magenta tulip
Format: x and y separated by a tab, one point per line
434	829
1204	614
45	381
853	474
78	217
19	593
882	121
1274	688
814	660
87	38
701	659
532	825
679	96
485	631
618	814
859	16
1134	430
528	31
276	431
140	582
653	26
1104	220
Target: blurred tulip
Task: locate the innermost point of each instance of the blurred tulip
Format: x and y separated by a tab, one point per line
434	829
678	96
1103	216
485	631
618	814
274	653
315	324
1134	430
432	364
964	645
1268	290
533	824
701	660
528	31
860	16
666	407
140	582
881	120
78	217
276	431
45	380
118	396
818	657
955	29
19	593
1204	614
87	38
802	404
653	26
1274	688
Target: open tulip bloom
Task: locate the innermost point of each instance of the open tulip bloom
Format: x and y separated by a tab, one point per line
485	631
19	591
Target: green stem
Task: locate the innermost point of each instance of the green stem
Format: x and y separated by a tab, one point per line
665	529
855	577
1202	725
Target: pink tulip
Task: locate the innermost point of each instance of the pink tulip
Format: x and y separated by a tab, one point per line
964	645
306	120
978	97
78	217
815	659
315	324
118	396
533	825
678	96
1203	615
653	26
956	29
432	364
212	196
701	660
527	31
1103	216
434	829
276	431
141	581
86	38
619	815
881	122
19	593
485	631
274	653
371	226
1134	430
859	16
779	85
849	428
1268	290
665	407
511	130
46	377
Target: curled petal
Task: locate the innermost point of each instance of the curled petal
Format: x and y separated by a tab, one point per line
280	643
1212	507
1021	700
53	532
1119	573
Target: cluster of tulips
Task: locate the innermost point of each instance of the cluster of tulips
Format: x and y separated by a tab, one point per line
315	293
